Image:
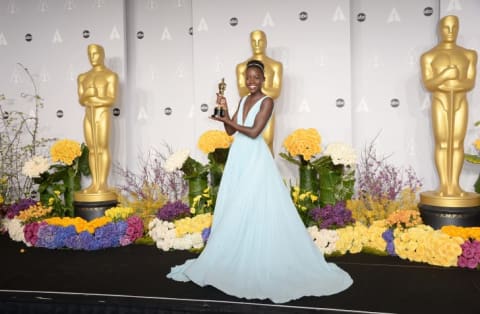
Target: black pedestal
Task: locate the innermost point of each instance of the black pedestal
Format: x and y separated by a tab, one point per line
92	210
439	216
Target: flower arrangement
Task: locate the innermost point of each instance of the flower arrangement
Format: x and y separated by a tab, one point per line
303	144
19	141
193	224
470	257
304	201
423	244
331	176
216	145
213	140
336	171
173	210
382	188
30	226
79	223
369	209
157	182
382	180
60	180
203	180
350	238
194	173
183	234
332	216
462	232
105	235
15	208
119	213
405	218
34	212
324	239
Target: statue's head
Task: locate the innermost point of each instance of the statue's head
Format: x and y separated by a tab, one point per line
258	41
448	28
96	54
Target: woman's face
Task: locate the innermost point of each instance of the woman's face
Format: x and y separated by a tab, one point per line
254	79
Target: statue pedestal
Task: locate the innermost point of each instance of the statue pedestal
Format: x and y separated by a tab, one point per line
93	205
438	211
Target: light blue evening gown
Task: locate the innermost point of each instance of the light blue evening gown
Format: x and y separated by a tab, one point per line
258	246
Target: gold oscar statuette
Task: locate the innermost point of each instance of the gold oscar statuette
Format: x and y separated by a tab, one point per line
448	72
219	110
97	92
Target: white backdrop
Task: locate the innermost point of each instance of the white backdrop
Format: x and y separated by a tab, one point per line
171	54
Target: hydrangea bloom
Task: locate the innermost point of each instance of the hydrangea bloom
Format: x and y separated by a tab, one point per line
35	166
341	154
176	160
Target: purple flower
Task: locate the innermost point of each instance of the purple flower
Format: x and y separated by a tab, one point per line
173	210
470	256
106	236
471	263
86	241
31	232
387	235
332	216
462	261
15	208
205	234
469	252
47	236
134	230
64	233
380	179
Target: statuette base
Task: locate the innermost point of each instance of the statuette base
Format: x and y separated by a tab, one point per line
438	211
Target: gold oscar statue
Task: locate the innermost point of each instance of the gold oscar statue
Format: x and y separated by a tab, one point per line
448	72
97	92
220	108
273	78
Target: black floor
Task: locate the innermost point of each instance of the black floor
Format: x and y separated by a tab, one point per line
132	280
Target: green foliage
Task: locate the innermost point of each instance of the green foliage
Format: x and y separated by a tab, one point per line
217	160
192	168
63	180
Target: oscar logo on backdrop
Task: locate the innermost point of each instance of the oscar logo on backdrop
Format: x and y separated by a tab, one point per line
97	92
273	78
448	72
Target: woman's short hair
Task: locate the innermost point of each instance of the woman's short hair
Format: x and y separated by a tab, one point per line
256	63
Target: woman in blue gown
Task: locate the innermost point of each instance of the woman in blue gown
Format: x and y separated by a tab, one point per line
258	247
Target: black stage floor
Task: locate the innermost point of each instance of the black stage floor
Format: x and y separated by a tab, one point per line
132	280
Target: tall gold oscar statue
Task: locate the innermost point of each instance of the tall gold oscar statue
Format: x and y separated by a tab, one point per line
273	78
97	92
448	72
